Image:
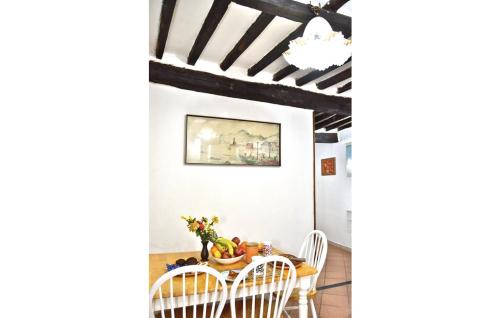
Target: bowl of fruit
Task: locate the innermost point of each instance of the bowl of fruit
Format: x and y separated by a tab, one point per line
225	251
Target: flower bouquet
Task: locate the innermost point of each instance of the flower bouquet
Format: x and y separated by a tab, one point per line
204	230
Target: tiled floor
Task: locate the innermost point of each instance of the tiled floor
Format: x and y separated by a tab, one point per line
333	302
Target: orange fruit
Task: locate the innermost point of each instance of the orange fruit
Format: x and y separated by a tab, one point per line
213	250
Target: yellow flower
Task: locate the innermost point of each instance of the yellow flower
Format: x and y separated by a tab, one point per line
215	219
194	226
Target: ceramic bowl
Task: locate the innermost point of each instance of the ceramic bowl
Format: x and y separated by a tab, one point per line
227	261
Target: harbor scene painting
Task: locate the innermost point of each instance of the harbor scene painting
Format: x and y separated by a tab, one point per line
225	141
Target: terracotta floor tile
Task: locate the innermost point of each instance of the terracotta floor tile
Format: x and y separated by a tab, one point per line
336	274
327	311
333	312
339	268
335	253
335	300
349	294
335	258
331	291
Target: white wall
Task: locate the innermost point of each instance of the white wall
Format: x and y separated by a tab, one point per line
254	203
333	195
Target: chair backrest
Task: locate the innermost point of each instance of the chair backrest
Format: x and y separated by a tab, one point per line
280	275
203	277
314	249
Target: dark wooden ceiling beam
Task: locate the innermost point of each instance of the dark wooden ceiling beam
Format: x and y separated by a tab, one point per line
326	138
167	12
217	11
337	78
327	122
344	88
334	5
276	52
284	72
322	117
338	123
311	76
299	12
270	93
344	126
250	35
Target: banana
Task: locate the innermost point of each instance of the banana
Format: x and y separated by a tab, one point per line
231	245
226	243
230	249
221	247
231	242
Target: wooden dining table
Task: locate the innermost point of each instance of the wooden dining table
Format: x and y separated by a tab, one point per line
157	267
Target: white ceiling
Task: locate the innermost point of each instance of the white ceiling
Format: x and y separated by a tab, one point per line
187	21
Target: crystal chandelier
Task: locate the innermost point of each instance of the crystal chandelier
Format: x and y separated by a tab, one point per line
319	47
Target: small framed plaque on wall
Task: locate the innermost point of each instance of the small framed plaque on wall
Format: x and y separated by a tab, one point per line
328	167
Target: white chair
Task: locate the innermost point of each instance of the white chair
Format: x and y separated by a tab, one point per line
189	302
278	289
314	250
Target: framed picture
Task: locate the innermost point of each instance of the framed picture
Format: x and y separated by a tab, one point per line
227	141
328	167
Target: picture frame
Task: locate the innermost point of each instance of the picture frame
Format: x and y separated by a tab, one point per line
231	141
328	166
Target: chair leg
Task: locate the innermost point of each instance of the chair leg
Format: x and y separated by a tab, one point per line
313	309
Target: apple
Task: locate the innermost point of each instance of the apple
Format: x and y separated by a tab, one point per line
226	255
243	246
236	240
239	251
